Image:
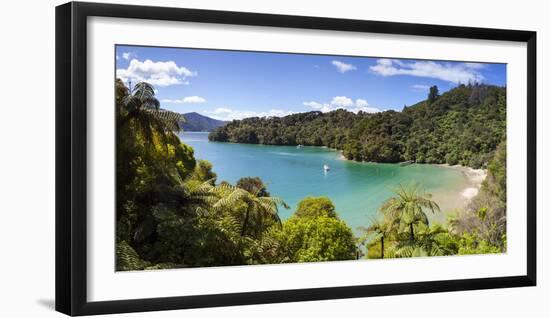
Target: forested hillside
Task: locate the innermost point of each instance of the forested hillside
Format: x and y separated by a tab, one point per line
462	126
197	122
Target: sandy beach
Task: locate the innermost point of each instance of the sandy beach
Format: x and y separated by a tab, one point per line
451	201
475	179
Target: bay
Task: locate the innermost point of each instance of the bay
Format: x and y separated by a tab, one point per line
357	189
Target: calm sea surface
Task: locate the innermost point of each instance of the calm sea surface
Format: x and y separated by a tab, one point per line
357	189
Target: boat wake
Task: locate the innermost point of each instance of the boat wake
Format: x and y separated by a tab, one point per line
286	154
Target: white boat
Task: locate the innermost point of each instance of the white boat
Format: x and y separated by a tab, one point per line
299	146
326	167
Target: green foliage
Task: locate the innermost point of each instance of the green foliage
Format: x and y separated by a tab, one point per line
315	207
407	210
473	244
379	231
203	172
171	213
161	266
433	95
495	183
141	107
462	126
256	213
482	226
429	241
253	185
311	128
310	236
404	230
315	239
127	259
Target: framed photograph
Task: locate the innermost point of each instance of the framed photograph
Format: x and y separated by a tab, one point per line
208	158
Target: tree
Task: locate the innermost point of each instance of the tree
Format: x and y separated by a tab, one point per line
150	159
433	95
312	236
496	177
461	126
141	106
484	219
203	172
315	206
258	208
314	239
430	241
194	234
407	209
127	259
253	185
379	230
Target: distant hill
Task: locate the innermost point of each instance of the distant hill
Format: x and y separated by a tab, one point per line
197	122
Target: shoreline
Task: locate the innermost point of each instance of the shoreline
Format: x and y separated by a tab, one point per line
475	179
455	192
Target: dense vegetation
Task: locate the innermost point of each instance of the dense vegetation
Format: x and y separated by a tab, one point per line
404	230
462	126
197	122
171	211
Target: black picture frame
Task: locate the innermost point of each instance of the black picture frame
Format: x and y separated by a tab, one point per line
71	157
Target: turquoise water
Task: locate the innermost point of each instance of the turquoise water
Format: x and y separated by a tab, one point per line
357	189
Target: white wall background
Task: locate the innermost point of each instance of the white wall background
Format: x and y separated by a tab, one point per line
27	158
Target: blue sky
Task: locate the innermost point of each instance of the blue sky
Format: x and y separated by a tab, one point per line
234	84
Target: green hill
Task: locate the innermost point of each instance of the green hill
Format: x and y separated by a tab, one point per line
197	122
462	126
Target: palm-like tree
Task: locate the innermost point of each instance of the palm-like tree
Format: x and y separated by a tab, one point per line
141	106
194	197
262	208
428	243
407	209
198	196
379	230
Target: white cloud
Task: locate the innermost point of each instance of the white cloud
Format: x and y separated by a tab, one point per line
455	73
220	110
313	104
318	106
343	102
186	100
194	99
343	67
224	113
385	62
361	103
155	73
127	55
